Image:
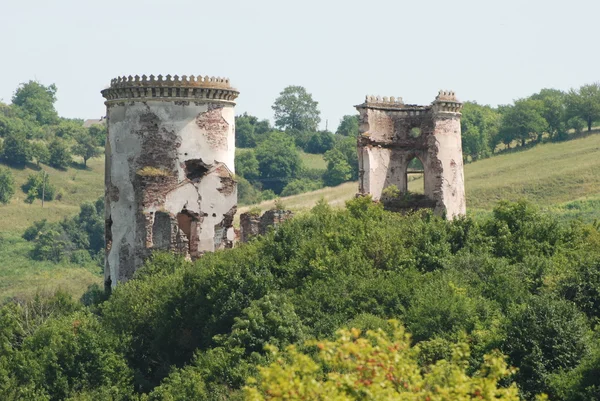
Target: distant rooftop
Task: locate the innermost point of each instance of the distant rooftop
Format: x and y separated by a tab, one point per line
90	122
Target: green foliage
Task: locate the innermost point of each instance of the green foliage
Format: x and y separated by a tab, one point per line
60	155
377	366
37	101
479	126
278	160
348	126
296	109
40	152
320	142
86	147
69	129
98	133
16	150
544	336
554	111
338	169
38	185
584	103
299	186
581	383
7	185
79	238
70	354
523	121
246	165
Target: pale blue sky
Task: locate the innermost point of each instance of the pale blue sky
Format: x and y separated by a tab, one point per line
491	52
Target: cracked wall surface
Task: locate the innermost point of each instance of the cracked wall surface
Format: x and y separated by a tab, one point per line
392	134
169	171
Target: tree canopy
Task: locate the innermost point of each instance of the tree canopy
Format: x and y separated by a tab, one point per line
296	109
37	101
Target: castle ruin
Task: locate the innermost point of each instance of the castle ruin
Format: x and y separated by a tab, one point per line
169	169
392	134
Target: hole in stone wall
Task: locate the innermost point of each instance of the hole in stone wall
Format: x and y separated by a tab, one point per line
195	169
415	176
188	224
161	231
108	233
415	132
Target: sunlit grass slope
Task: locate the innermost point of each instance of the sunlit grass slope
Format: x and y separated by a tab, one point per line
77	185
21	276
561	176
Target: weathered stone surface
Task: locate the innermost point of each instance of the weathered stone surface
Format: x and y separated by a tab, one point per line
393	133
252	224
169	169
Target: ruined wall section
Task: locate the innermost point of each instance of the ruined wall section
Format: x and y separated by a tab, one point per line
169	170
393	133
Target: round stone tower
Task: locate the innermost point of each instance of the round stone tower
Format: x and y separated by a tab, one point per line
169	169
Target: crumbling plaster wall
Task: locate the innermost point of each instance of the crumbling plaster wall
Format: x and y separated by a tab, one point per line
148	146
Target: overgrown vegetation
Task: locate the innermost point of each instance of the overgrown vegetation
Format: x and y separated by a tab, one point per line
520	281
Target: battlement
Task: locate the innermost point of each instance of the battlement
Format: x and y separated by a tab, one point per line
389	103
446	102
174	88
446	96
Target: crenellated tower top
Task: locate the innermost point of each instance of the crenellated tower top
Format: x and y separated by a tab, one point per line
445	101
171	88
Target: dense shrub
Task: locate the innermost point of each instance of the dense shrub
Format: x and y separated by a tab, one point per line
199	330
7	185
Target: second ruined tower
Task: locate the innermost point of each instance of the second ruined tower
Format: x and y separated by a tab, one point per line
169	169
392	134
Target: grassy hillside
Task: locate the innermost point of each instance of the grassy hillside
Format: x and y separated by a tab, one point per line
563	176
20	276
76	184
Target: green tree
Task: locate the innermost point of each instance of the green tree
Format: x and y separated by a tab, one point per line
523	121
338	169
40	152
86	147
38	185
320	142
246	165
244	131
584	103
300	186
377	366
51	244
278	161
37	101
16	149
553	111
544	336
7	185
479	126
296	109
60	156
98	132
348	126
69	129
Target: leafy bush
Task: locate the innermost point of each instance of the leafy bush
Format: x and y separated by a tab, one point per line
7	185
60	155
377	366
300	186
38	185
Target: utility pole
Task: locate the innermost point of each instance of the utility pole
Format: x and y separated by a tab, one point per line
43	186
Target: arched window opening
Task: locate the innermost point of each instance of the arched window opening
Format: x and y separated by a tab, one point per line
415	132
415	176
188	223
